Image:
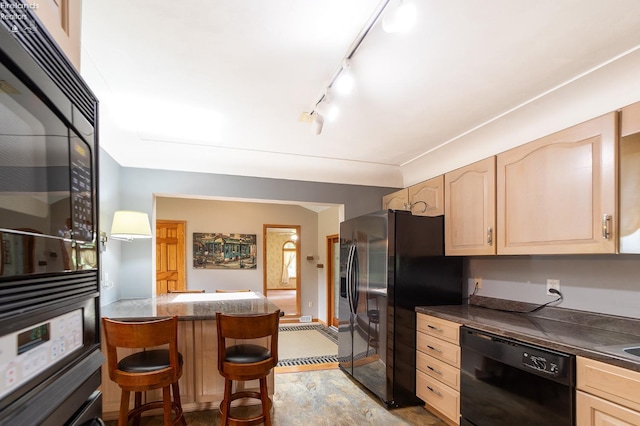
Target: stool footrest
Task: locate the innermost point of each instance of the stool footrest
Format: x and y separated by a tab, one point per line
135	412
250	421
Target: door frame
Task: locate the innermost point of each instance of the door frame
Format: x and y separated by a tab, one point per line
331	286
298	264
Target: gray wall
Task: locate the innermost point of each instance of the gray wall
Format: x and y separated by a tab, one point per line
136	188
109	202
600	283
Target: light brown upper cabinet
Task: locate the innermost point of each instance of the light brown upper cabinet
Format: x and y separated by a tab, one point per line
427	198
62	19
558	194
470	209
398	200
630	179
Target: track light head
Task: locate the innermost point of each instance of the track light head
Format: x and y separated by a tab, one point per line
316	123
344	82
401	19
327	109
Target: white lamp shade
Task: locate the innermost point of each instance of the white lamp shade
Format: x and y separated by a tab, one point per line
129	225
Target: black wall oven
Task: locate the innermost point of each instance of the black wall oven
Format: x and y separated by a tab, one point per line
50	355
507	382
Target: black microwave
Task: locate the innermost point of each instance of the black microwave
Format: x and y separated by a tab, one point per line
47	177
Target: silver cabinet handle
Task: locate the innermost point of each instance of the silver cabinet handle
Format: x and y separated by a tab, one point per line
606	222
434	349
426	206
434	391
435	328
434	370
489	235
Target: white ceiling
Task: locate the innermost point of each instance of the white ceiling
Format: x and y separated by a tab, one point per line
467	66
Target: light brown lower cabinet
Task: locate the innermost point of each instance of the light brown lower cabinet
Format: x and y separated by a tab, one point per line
438	367
606	395
591	410
201	386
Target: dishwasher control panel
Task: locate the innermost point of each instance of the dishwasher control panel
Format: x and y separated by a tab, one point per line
543	363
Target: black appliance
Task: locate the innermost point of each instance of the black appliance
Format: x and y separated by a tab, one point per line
507	382
50	355
390	262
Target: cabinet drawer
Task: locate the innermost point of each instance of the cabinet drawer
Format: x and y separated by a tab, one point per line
610	382
442	329
444	351
447	374
441	397
591	410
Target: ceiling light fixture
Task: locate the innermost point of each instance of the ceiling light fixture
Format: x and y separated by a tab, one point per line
317	121
401	19
342	80
326	108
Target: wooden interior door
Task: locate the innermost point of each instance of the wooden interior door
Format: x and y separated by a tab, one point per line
333	278
170	256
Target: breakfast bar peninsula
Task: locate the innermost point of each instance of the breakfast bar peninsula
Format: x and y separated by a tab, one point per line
201	386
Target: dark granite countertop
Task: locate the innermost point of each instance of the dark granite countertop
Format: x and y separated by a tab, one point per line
575	332
188	306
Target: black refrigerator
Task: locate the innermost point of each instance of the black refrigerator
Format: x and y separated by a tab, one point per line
390	262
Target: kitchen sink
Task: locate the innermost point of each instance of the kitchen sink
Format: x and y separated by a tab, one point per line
633	351
629	350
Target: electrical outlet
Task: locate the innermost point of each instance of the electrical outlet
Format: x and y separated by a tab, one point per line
477	282
310	304
553	284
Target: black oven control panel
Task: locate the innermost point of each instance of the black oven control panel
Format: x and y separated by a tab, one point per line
25	353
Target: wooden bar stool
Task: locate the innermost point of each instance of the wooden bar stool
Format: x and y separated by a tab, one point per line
147	369
246	361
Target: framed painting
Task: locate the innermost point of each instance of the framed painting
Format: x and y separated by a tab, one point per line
224	251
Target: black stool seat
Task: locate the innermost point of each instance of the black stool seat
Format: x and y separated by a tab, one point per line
246	354
147	361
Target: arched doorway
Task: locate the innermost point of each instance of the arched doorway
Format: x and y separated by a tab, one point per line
282	267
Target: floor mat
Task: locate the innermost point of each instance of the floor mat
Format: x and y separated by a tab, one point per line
307	344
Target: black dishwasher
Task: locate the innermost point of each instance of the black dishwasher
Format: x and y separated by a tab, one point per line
506	382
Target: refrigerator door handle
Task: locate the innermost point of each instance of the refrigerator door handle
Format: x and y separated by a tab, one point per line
352	278
349	276
355	283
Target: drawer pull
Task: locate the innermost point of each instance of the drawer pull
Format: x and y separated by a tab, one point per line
434	349
434	370
435	328
434	391
606	222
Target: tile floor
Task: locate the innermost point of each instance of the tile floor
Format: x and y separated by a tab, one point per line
325	397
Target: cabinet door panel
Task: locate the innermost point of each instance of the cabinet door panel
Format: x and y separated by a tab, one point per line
553	193
398	200
593	411
629	229
427	198
470	209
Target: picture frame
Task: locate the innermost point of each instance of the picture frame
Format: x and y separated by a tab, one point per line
224	251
